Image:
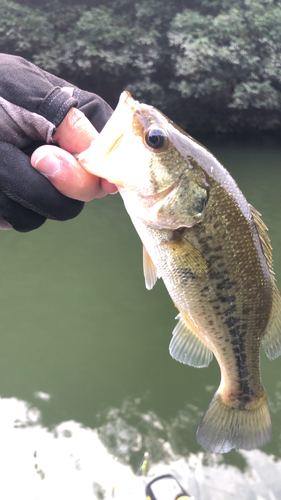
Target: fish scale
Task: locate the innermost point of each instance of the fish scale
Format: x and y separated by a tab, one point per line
211	249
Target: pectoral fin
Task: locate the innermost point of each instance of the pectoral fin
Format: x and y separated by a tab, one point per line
149	270
271	340
187	347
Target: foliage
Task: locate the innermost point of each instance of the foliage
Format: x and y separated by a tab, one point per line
22	31
232	59
122	45
209	64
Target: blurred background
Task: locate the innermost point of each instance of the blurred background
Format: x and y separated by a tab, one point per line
86	380
210	65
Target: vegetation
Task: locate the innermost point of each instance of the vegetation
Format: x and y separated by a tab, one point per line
211	65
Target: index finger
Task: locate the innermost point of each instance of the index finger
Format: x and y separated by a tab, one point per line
75	133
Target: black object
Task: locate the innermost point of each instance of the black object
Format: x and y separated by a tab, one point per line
166	487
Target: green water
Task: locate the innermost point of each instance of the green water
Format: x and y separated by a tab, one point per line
78	325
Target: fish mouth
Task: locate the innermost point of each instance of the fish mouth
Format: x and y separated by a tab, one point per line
109	139
98	161
126	98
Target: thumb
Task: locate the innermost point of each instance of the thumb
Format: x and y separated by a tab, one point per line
75	133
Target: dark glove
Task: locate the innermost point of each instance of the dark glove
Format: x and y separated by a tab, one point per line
27	198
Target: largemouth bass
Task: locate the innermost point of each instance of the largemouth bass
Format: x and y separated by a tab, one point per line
211	249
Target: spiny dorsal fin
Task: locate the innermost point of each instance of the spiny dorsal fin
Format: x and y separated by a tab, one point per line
187	347
264	238
149	270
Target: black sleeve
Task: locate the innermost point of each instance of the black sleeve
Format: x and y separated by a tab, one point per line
33	103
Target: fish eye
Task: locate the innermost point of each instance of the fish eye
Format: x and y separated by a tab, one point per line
156	138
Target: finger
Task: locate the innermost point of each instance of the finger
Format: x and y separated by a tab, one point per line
75	133
108	187
67	175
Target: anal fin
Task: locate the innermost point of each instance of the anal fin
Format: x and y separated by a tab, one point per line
271	340
187	347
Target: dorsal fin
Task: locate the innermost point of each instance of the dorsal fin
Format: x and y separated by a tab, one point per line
264	238
149	270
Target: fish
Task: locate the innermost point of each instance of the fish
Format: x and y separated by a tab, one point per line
213	252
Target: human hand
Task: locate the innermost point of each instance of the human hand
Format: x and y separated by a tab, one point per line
58	164
27	198
35	108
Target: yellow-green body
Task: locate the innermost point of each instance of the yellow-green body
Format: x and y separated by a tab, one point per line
211	250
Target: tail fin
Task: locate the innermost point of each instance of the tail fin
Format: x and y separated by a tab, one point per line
223	427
